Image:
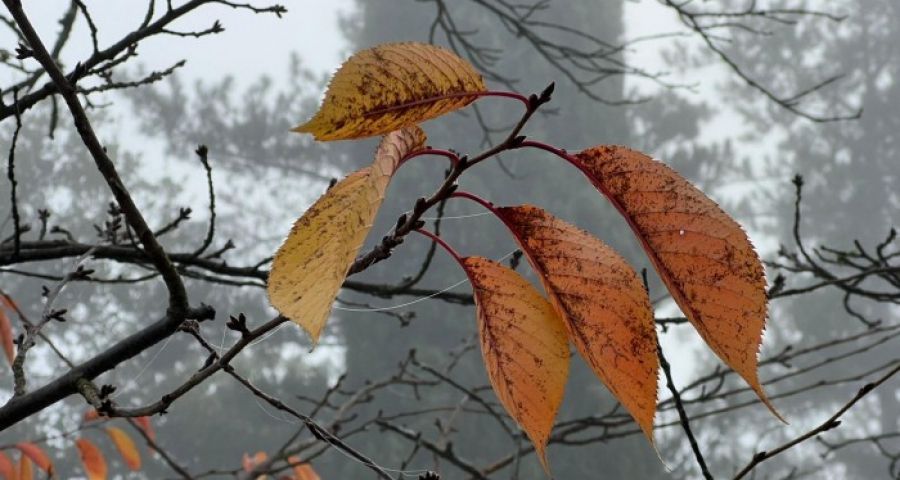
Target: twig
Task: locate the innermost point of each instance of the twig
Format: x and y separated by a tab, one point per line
682	415
829	424
11	174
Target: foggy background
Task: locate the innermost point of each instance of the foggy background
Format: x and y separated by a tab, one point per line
242	90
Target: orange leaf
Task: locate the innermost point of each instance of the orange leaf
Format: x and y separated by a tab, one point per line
390	87
8	303
313	262
94	464
303	471
92	415
144	423
6	336
524	346
7	468
602	301
703	255
37	455
25	470
126	447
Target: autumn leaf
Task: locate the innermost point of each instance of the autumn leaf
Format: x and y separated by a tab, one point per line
602	301
389	87
6	335
37	455
125	446
7	468
26	472
313	262
524	346
144	423
92	459
303	471
703	255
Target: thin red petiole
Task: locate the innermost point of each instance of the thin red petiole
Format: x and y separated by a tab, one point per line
475	198
489	206
454	158
440	241
559	152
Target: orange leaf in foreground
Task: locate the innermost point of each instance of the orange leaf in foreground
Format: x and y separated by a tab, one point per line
92	459
703	255
126	447
25	470
7	468
524	346
602	301
37	455
313	262
390	87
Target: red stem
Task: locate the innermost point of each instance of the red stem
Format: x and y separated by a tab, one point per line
491	208
563	154
454	158
440	241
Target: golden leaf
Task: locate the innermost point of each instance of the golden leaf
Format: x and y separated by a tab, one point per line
703	255
313	262
524	346
389	87
602	301
126	447
92	459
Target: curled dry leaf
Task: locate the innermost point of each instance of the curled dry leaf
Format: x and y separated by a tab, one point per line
311	265
702	254
92	459
37	455
389	87
126	447
7	468
524	346
602	301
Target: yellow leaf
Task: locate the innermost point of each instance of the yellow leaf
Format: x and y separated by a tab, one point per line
703	255
92	459
126	447
313	262
392	86
602	301
524	346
